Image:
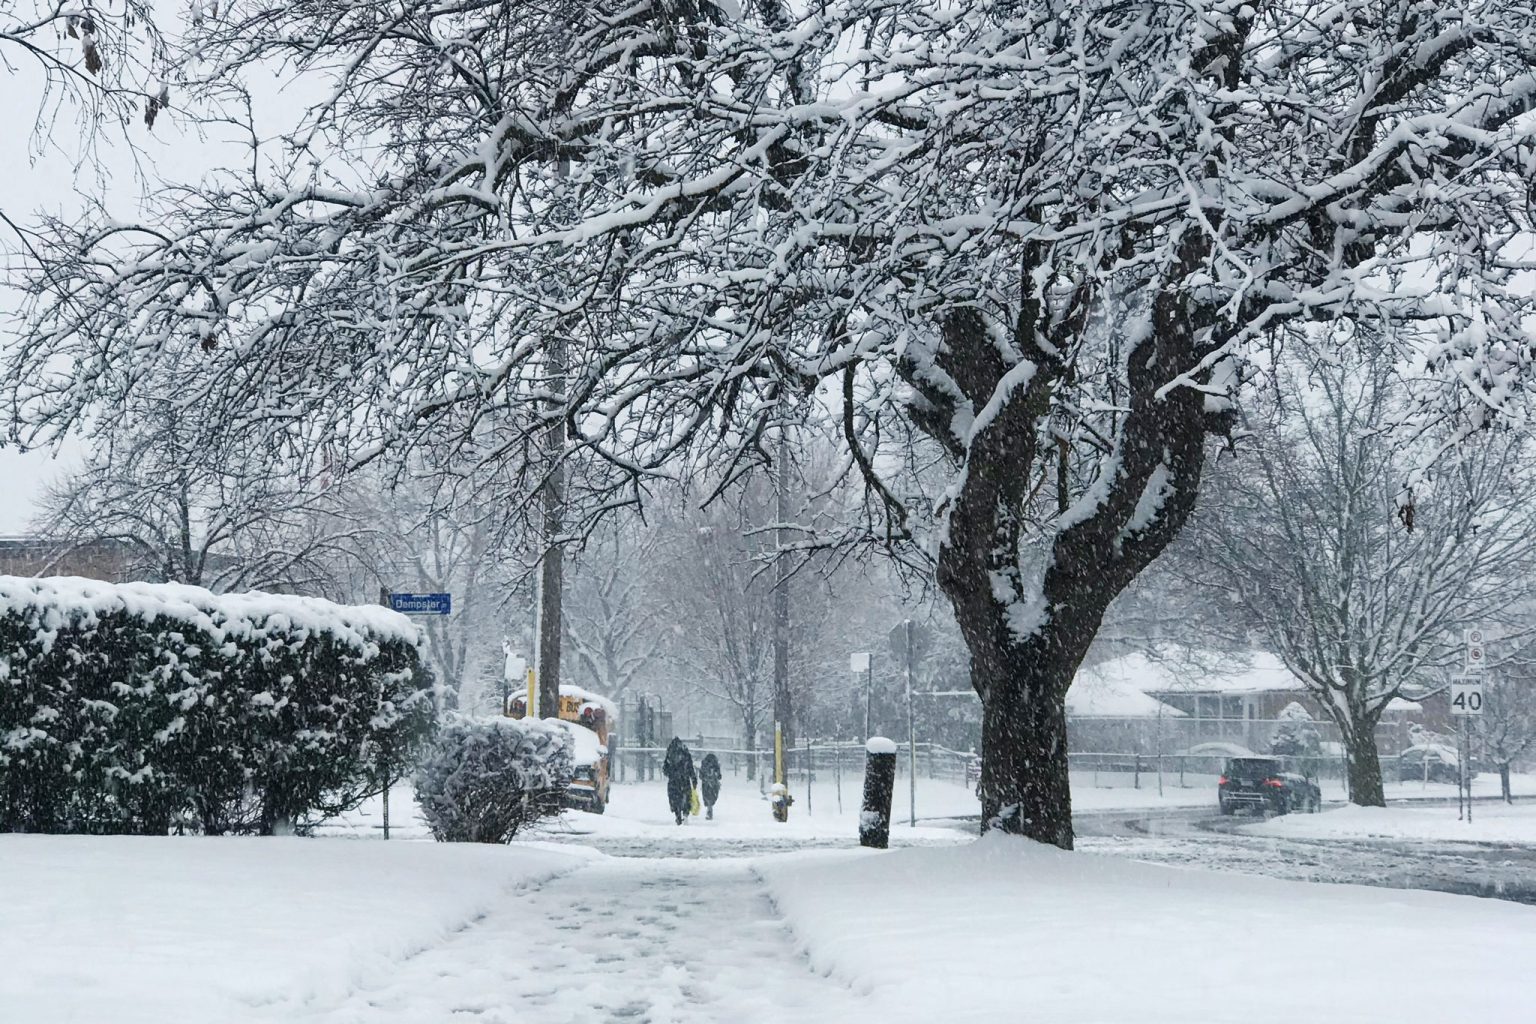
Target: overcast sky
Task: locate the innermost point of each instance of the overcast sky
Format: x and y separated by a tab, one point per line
52	173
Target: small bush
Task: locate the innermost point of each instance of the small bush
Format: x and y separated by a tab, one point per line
483	779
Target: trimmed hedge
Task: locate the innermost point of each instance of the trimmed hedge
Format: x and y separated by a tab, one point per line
143	708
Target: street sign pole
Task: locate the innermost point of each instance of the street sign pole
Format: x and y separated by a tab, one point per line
1466	702
1466	761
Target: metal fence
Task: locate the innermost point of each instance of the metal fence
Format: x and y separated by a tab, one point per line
817	757
1222	736
1134	752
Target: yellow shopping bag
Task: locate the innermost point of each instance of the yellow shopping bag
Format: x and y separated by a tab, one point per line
693	801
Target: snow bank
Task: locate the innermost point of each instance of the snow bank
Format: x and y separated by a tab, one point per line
167	930
1491	823
1003	929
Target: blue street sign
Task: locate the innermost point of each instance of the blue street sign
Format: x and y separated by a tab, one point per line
422	604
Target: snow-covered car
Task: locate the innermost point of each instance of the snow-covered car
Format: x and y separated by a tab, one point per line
1262	784
1431	762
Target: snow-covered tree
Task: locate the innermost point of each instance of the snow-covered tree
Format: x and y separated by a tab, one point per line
1506	730
1027	245
1363	591
88	62
1296	735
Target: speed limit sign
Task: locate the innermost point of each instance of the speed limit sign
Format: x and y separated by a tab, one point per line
1467	695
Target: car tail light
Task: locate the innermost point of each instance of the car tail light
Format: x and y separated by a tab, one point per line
1221	781
1274	783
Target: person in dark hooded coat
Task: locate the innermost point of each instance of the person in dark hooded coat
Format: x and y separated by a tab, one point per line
709	782
677	766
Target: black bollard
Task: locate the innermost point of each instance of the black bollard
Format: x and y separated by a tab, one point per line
879	782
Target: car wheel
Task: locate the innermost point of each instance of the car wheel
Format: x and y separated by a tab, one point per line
1226	808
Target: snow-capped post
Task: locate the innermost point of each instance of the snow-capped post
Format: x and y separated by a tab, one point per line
879	784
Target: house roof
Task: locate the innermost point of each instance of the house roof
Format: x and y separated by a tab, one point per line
1114	693
1186	673
1210	673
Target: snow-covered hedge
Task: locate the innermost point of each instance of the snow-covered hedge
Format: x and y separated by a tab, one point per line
146	707
483	779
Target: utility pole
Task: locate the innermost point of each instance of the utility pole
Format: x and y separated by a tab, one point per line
911	735
551	562
782	708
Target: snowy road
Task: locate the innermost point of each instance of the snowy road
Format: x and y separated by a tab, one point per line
619	942
1196	837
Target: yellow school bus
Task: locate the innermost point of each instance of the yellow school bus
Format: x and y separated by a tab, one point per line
588	717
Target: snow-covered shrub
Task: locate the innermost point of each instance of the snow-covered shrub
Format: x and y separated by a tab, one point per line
142	707
1297	734
483	779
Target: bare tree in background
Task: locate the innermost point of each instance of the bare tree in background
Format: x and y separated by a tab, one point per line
428	538
614	627
1361	591
1506	730
1033	249
720	609
226	521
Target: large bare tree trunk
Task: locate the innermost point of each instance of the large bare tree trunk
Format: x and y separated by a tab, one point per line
782	708
1364	766
1024	782
1027	636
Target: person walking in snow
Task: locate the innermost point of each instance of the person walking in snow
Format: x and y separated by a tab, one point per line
709	779
677	766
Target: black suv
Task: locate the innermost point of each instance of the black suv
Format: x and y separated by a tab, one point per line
1263	784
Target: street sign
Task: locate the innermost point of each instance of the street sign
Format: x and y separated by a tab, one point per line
422	604
858	662
1477	652
1467	695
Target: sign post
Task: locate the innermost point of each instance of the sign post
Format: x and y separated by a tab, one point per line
1467	702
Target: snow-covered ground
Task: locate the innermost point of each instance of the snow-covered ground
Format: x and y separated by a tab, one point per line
178	929
1491	823
340	932
1003	930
